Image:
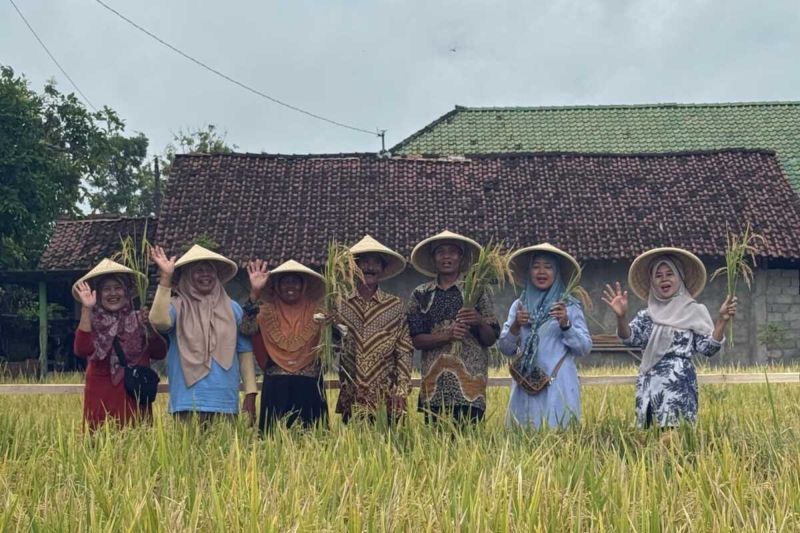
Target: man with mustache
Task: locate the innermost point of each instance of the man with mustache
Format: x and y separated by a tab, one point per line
375	363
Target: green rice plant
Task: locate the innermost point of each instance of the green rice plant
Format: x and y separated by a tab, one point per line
341	275
135	254
490	269
740	258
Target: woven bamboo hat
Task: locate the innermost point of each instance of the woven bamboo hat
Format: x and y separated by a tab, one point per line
314	280
395	263
226	269
520	262
422	254
103	268
694	272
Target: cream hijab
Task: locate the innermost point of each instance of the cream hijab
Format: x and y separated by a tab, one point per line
205	327
678	312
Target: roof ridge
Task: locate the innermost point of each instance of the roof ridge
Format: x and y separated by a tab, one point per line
662	105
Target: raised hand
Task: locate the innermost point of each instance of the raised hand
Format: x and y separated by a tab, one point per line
87	296
166	265
728	309
616	299
259	274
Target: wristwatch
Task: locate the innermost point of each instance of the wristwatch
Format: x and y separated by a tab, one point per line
565	328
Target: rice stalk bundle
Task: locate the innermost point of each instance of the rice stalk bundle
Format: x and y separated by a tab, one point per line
491	268
135	254
341	275
740	258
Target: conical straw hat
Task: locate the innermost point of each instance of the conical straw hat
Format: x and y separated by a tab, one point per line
395	263
104	267
315	281
694	272
520	262
226	269
422	254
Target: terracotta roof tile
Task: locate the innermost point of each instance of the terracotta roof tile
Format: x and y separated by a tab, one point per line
82	243
596	206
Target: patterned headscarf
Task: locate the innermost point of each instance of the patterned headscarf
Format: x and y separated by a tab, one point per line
123	324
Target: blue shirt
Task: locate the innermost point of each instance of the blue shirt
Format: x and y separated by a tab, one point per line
218	391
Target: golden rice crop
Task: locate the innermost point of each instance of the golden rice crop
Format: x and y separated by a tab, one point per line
738	470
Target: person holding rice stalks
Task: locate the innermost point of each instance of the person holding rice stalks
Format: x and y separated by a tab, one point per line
286	338
208	356
376	353
453	381
545	330
672	329
112	334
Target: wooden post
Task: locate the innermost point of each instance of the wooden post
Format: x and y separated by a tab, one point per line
42	329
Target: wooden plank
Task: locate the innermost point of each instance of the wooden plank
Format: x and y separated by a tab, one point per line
332	384
42	329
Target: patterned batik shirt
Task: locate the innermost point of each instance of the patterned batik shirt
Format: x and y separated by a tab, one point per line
448	379
667	393
375	354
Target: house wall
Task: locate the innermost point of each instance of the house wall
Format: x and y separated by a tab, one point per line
774	298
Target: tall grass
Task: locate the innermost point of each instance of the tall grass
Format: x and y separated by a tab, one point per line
736	471
573	289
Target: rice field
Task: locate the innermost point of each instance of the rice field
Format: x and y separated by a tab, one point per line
738	470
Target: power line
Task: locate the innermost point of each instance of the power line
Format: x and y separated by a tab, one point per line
64	72
379	133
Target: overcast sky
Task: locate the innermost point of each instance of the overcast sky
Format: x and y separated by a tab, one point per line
397	65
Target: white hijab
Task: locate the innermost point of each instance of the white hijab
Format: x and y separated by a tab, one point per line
678	312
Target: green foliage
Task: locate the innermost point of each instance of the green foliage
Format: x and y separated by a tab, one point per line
772	334
53	154
135	254
204	140
204	240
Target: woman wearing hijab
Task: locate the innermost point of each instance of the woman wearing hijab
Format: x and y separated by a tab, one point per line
547	330
280	317
203	327
109	322
672	329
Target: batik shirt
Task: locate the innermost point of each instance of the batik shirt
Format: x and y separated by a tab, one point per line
449	379
375	354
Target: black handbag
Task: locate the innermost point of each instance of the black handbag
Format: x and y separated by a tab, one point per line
141	382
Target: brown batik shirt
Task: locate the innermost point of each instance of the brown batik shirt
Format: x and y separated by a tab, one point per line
375	355
450	379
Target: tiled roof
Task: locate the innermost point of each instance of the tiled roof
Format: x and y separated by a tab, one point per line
80	244
616	129
595	206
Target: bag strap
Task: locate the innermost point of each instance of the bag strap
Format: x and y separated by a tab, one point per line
558	366
120	353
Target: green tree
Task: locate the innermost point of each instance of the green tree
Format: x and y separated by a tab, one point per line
204	140
46	146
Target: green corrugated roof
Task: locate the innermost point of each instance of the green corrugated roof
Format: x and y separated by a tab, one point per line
616	129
